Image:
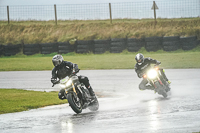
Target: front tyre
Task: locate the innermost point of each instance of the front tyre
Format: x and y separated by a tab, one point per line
74	103
161	90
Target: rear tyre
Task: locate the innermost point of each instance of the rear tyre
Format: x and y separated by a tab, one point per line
94	106
164	94
74	103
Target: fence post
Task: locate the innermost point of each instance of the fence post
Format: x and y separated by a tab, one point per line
8	14
154	8
110	13
55	13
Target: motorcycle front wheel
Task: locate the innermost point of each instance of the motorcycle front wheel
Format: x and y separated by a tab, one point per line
74	103
161	90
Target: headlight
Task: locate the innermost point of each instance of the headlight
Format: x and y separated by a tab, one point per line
152	74
62	86
68	83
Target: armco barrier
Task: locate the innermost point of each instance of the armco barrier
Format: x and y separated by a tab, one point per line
31	49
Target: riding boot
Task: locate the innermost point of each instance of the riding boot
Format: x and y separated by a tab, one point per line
91	91
149	87
146	87
164	76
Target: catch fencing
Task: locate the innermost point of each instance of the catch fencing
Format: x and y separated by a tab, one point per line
102	11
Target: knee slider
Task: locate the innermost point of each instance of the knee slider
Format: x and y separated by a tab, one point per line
85	79
61	94
141	87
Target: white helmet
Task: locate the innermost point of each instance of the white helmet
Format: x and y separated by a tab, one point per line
57	60
139	58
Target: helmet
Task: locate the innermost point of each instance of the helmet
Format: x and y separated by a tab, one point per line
57	60
139	58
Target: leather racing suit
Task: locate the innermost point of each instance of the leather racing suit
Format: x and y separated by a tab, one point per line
66	69
141	69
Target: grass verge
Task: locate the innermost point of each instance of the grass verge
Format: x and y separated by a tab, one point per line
15	100
126	60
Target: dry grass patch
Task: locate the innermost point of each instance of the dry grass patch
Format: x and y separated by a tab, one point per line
43	32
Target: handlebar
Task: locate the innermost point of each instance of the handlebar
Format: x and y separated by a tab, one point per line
157	65
72	74
56	83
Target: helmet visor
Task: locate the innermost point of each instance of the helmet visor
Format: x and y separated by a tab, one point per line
139	61
56	63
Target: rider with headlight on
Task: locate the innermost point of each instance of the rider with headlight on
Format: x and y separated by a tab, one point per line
142	65
64	68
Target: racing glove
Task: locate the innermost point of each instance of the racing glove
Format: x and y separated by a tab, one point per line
140	75
158	63
54	81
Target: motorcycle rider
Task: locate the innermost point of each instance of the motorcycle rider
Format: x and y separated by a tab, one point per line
64	68
142	65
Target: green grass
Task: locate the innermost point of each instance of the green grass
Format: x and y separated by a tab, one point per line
15	100
125	60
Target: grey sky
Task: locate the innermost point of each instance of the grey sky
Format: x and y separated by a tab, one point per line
50	2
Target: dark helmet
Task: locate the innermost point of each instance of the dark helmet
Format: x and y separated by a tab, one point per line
139	58
57	60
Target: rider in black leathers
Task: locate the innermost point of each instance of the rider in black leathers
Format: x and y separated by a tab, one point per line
142	65
64	68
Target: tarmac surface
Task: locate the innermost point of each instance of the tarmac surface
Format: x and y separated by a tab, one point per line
123	107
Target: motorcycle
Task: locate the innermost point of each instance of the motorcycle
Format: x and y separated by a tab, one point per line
77	94
154	78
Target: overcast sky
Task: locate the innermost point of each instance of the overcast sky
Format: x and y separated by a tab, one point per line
50	2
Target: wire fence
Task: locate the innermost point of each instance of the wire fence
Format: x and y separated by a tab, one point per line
130	10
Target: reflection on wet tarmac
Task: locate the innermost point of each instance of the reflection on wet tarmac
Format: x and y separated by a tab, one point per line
123	108
155	111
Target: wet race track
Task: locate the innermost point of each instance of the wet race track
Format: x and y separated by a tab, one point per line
123	107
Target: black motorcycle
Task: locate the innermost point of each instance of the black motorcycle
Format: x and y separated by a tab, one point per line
77	94
155	79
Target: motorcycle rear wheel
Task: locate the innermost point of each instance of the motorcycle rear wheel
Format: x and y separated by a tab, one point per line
164	95
75	105
94	106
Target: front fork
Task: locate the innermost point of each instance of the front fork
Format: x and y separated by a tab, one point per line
73	92
158	81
